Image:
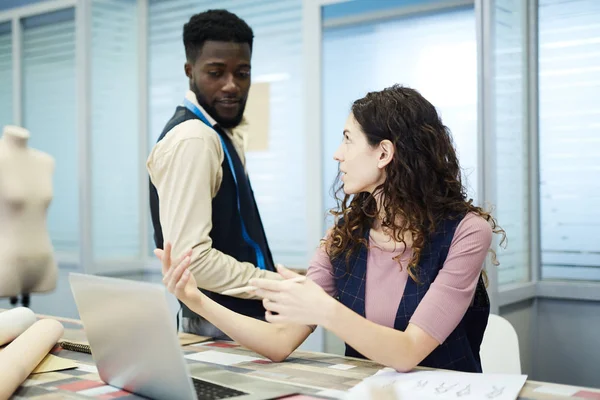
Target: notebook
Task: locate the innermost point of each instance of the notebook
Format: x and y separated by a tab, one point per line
75	340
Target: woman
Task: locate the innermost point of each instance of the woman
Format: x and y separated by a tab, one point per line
399	276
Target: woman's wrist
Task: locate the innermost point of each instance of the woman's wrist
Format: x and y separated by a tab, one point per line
328	312
195	301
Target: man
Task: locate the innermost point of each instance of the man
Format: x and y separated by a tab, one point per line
197	170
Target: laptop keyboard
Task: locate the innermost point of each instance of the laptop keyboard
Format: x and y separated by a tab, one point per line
208	391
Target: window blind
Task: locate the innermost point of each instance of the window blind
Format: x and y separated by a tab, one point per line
49	113
6	78
277	174
511	142
115	135
432	53
569	87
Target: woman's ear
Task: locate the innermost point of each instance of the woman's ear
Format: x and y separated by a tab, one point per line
386	154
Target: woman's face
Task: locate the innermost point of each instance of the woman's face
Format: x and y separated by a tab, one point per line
360	164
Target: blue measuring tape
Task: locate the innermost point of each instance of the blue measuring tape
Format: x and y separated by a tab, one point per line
260	258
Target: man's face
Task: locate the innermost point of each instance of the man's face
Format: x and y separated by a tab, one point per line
220	78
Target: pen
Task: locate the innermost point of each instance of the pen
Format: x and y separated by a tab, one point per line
243	289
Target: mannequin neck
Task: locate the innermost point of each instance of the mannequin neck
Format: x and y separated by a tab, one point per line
15	137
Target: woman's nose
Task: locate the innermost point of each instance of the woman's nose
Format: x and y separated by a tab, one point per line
338	156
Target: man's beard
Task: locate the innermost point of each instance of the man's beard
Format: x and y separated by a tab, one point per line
225	123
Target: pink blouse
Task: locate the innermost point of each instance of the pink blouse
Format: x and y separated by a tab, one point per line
449	295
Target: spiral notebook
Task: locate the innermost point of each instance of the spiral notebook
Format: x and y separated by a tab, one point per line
76	341
74	346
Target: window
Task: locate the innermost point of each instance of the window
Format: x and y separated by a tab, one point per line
569	83
115	136
6	78
433	53
49	113
277	173
511	141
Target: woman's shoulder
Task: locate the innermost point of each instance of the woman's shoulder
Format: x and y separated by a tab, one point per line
474	225
476	221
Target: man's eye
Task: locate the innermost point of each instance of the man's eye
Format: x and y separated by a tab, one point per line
214	73
244	74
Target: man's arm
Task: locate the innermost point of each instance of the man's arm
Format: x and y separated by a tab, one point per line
187	175
275	341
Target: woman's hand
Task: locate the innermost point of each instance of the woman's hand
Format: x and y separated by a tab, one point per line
303	303
176	276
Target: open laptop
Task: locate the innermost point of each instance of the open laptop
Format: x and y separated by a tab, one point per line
134	343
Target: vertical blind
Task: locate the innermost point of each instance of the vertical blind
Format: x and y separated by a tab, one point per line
49	113
433	53
569	87
511	142
114	131
6	71
277	174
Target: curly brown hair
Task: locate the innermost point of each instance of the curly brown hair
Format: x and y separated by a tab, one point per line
423	185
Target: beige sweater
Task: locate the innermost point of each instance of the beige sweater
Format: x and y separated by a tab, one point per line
185	167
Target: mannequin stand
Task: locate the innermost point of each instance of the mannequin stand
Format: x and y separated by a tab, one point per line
24	300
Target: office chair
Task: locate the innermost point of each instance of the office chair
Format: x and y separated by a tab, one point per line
500	347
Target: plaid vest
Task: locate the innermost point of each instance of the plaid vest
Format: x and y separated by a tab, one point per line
460	351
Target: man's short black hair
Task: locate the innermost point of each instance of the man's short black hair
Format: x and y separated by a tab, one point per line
217	25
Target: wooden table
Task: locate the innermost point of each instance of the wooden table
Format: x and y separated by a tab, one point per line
311	372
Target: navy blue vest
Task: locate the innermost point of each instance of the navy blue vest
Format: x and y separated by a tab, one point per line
226	232
460	351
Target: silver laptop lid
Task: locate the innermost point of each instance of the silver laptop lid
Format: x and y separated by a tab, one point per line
132	335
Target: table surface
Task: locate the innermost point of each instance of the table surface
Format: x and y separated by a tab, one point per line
311	372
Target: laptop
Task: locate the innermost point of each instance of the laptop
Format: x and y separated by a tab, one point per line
134	343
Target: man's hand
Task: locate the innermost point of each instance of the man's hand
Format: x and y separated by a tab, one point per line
177	277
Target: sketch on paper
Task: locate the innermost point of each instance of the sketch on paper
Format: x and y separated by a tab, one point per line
441	385
421	384
443	388
495	393
464	392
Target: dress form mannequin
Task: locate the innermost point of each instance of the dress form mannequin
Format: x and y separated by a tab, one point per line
27	262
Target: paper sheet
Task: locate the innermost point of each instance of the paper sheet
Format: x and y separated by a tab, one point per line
342	367
52	363
440	385
99	392
217	357
87	368
203	343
